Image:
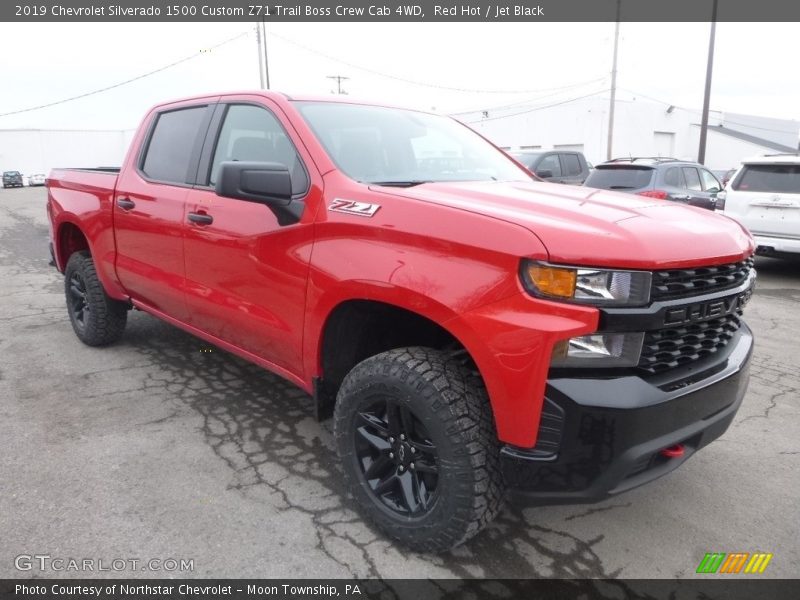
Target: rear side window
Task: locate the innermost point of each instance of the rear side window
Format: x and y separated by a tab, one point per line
169	150
572	164
769	178
619	178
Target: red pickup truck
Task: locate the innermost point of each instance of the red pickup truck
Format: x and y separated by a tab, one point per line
471	330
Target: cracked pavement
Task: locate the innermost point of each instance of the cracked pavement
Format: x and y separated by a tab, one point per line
164	447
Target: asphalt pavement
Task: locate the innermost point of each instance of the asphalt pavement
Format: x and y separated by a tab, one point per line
164	448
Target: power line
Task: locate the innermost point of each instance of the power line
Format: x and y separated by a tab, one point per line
697	112
536	108
529	100
127	81
412	81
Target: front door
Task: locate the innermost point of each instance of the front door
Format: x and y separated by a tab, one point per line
245	272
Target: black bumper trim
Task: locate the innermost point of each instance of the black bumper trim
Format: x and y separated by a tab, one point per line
615	428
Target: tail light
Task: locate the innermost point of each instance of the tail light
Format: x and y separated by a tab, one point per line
720	203
659	194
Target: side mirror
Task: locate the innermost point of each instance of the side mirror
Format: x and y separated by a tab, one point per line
544	173
263	182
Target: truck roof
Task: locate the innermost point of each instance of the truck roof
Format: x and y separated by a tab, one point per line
283	97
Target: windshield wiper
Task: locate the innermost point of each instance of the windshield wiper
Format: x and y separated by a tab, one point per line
408	183
620	187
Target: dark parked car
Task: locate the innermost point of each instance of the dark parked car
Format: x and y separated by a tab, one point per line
12	179
664	178
555	166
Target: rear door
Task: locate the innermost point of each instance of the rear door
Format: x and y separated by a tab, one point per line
765	198
149	208
245	271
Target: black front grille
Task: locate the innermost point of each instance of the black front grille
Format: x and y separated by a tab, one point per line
674	346
680	283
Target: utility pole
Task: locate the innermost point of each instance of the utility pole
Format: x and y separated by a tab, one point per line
260	56
701	153
339	79
266	56
613	100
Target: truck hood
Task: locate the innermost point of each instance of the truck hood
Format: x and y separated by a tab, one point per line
586	226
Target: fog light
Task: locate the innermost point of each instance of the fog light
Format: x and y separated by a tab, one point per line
599	350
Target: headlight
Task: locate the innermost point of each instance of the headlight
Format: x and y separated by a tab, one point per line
601	350
586	286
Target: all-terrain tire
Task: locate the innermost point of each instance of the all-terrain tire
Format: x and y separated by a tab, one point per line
450	409
97	319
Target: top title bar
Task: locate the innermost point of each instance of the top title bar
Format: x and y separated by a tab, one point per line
394	11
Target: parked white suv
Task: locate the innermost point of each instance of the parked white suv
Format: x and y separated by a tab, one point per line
764	196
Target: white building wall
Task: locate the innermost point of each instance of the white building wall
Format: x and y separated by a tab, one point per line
725	152
641	128
38	151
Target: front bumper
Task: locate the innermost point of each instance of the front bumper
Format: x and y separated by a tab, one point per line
604	436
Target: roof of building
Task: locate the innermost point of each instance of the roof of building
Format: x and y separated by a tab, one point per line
746	137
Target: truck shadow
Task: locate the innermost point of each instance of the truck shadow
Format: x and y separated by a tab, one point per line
264	430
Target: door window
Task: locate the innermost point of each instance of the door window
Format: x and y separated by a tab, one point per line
550	163
673	177
692	179
710	182
252	133
169	150
572	164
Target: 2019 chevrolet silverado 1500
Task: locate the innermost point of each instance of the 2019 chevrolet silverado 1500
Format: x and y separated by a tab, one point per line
472	330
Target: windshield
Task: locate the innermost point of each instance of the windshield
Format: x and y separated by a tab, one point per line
11	173
392	146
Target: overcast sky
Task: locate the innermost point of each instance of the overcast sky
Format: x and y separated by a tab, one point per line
755	68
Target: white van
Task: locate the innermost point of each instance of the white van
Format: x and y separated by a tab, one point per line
764	196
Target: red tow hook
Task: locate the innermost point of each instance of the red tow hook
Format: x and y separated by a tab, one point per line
675	451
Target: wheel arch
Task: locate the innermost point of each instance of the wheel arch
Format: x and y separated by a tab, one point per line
355	329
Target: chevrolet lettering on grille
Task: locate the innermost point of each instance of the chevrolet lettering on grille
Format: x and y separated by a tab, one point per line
703	311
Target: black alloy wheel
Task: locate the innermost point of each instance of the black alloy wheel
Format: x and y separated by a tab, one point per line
397	457
415	434
76	298
97	319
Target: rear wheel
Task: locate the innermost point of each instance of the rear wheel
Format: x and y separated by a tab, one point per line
418	447
97	319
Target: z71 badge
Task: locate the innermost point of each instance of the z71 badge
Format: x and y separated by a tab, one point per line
351	207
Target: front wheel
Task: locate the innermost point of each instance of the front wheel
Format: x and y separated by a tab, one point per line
418	446
97	319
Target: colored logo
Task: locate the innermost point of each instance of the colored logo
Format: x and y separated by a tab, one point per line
736	562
